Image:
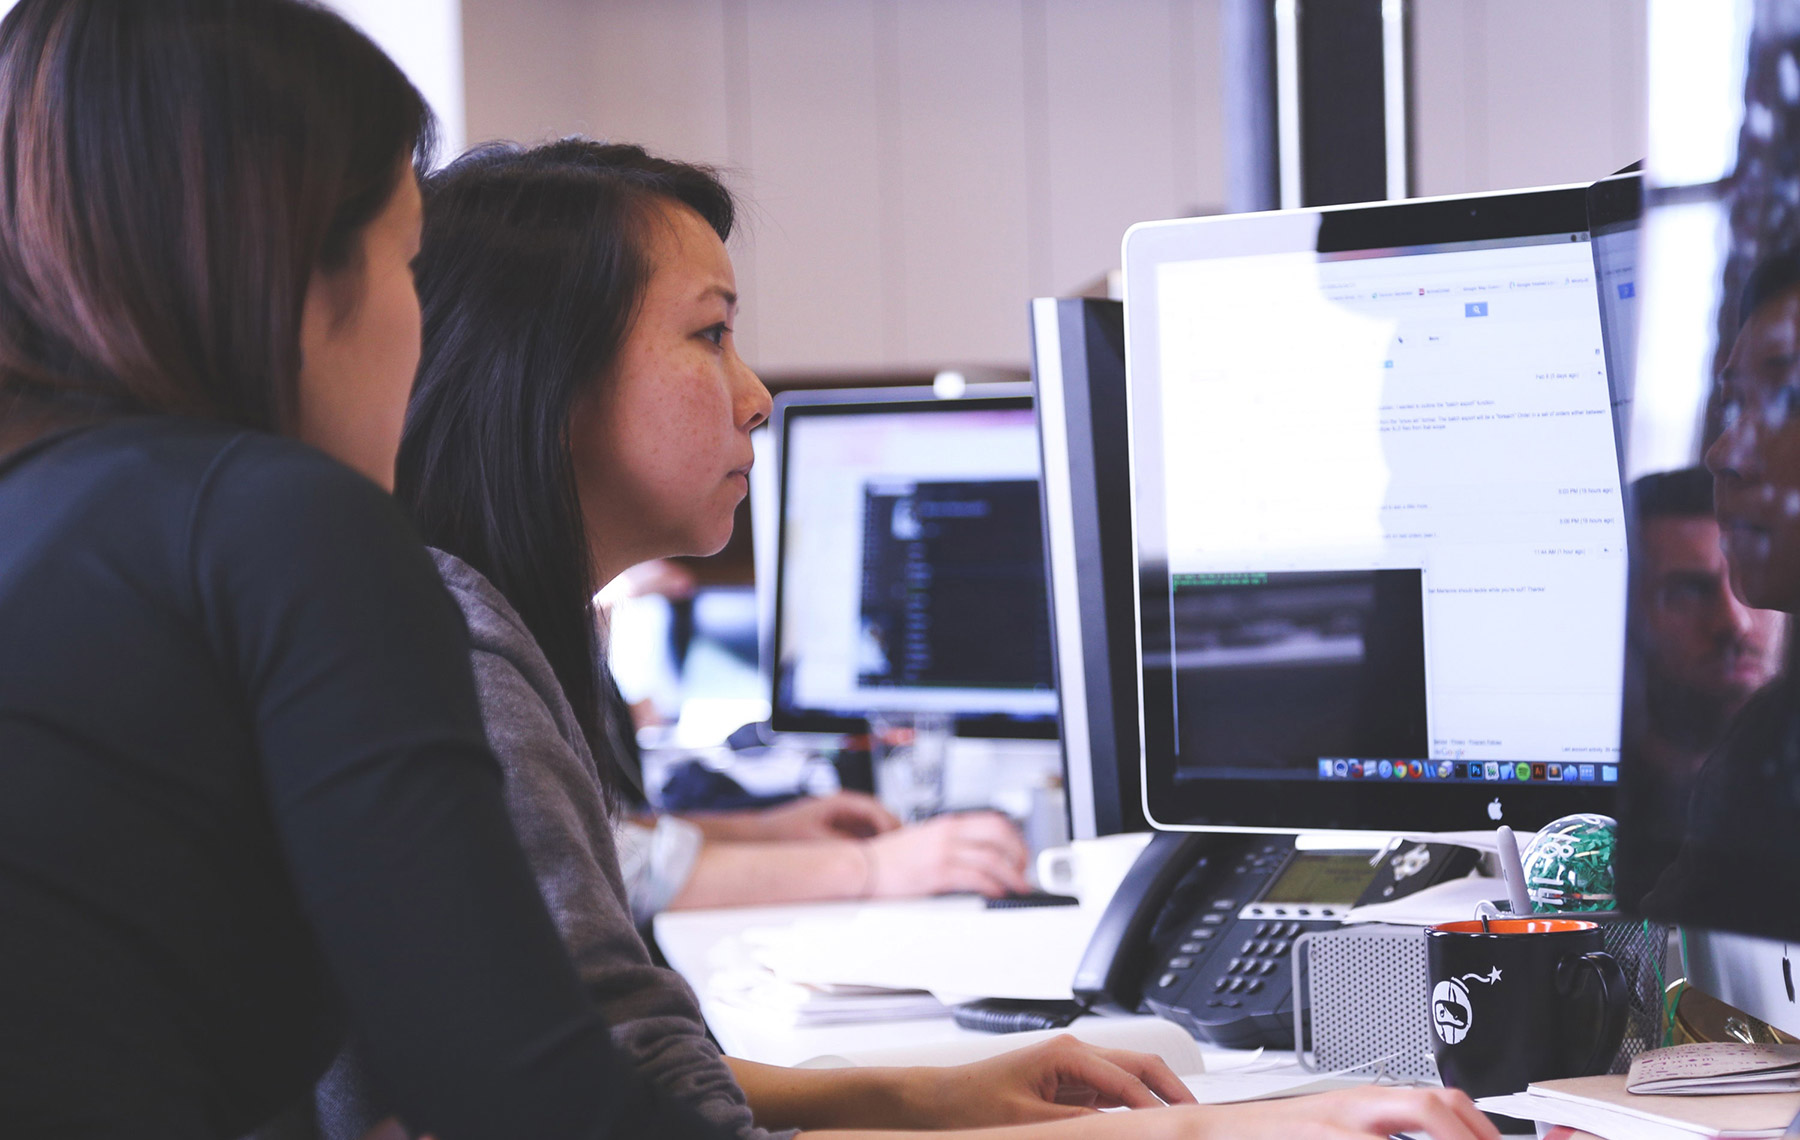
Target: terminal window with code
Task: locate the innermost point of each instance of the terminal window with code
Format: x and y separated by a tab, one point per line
912	562
946	564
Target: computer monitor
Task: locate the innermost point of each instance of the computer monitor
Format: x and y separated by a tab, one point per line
765	535
1709	832
1078	372
1381	550
1614	205
910	570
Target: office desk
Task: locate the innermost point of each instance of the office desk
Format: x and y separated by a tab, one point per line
689	938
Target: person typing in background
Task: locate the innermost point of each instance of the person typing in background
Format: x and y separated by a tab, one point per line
840	846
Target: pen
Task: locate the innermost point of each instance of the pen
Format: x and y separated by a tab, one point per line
1513	871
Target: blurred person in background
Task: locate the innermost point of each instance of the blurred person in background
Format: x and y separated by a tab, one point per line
1698	652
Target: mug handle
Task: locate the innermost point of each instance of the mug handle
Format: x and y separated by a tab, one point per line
1606	971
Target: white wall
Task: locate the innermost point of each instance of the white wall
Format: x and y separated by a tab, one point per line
917	169
425	38
1527	92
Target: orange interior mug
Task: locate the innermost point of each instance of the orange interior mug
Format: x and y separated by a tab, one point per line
1517	1000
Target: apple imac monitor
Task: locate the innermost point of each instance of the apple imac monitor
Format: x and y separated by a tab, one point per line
1078	373
1710	819
910	568
1380	542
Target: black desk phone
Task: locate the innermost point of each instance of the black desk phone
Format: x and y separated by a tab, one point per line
1201	927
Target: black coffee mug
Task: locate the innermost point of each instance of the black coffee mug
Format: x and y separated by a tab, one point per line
1519	1000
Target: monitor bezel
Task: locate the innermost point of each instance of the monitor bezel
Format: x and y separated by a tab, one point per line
1296	805
1078	371
1008	396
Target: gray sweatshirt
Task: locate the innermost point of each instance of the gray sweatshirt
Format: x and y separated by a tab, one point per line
560	808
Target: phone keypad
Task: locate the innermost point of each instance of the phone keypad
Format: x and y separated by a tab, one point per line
1224	973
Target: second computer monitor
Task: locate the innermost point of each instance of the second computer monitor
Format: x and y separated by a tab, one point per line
910	576
1381	544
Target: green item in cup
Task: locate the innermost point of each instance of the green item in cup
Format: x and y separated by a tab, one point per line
1569	866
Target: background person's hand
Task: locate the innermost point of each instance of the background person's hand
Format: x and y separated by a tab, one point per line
1051	1080
1353	1114
842	815
970	851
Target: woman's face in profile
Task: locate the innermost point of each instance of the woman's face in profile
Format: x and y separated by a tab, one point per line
662	449
359	342
1756	459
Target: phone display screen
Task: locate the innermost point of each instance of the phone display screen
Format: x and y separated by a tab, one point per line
1326	877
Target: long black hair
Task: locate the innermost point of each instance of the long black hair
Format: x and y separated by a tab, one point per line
531	270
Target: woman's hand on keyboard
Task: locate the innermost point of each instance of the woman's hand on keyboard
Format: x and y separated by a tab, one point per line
1054	1079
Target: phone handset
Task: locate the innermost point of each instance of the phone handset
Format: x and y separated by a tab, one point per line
1111	976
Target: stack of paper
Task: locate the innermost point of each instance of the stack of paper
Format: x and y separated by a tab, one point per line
899	961
797	1004
955	953
1602	1106
1716	1068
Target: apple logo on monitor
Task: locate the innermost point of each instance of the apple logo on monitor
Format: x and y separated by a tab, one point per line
1495	811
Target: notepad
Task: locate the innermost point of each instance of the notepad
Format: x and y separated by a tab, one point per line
1602	1106
1715	1069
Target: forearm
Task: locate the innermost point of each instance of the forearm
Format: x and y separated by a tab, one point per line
731	826
782	1097
745	874
1146	1124
842	1104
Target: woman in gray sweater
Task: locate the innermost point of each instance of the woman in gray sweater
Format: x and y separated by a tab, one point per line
581	408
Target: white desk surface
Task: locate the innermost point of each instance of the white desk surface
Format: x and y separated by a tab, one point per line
687	939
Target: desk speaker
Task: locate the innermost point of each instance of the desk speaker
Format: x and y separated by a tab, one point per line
1368	991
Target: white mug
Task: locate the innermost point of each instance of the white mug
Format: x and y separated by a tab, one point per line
1089	869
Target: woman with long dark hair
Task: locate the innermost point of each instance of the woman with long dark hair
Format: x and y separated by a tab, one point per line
534	290
246	801
581	408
